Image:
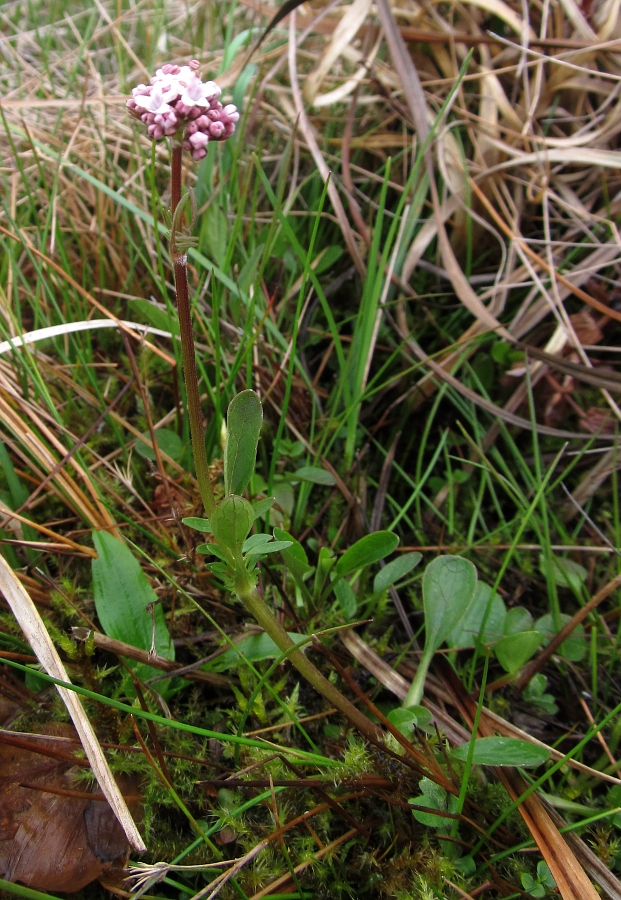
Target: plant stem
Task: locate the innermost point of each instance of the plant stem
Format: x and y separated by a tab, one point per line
190	374
254	603
415	694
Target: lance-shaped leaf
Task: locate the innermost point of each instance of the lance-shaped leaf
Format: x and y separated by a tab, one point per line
244	418
367	550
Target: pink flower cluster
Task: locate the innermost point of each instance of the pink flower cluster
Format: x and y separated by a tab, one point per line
178	104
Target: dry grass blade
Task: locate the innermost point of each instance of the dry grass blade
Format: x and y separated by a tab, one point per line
309	137
32	625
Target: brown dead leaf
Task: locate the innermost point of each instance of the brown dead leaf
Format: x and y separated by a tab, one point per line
55	834
597	421
586	328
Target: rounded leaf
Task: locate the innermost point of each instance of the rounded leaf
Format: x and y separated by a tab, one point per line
484	608
574	647
514	650
168	442
231	522
518	619
449	584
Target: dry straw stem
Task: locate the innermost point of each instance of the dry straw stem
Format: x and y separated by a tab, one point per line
32	625
523	153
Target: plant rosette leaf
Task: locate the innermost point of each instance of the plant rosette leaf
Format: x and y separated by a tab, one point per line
449	585
369	549
313	475
395	570
345	598
514	650
503	751
574	648
484	608
294	556
433	797
126	604
406	720
244	420
517	619
168	442
565	572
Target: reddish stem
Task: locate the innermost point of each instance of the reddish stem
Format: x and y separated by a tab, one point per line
190	372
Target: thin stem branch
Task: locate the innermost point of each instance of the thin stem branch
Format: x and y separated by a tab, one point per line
190	372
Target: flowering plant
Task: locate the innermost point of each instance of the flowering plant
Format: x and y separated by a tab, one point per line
177	104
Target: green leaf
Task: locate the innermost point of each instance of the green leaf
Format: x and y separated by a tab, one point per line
575	647
256	540
213	550
518	619
534	693
503	751
314	475
534	888
545	875
367	550
155	315
262	507
406	719
168	441
565	572
271	547
122	593
467	630
395	570
435	797
244	418
345	598
466	865
198	524
231	522
294	556
515	649
449	584
249	270
329	257
325	564
215	232
255	648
